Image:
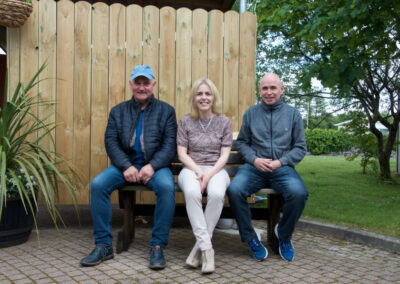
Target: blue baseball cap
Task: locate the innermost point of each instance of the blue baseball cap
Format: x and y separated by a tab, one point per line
142	70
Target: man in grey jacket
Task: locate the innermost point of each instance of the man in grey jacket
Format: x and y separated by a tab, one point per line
140	141
272	142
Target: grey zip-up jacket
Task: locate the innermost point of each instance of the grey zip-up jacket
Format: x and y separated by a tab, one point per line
272	132
159	133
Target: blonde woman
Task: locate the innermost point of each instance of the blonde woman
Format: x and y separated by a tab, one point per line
204	142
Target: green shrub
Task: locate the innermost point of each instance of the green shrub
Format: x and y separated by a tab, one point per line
325	141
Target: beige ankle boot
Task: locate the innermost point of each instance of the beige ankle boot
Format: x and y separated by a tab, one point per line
207	258
193	260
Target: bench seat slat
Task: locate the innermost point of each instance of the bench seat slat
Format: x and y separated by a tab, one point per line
141	187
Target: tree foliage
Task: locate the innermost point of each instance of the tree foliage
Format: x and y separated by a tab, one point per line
363	141
351	46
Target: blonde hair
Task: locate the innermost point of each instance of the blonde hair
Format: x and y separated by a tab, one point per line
192	99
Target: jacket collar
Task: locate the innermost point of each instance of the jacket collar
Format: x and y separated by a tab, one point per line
137	105
273	107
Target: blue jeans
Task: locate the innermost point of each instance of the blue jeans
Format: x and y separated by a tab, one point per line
162	183
249	180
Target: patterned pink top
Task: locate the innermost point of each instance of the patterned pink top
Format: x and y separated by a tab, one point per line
203	138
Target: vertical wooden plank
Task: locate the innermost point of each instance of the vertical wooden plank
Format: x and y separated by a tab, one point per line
117	55
231	68
117	61
99	101
30	46
82	90
215	50
247	63
29	52
47	52
183	61
13	59
166	77
167	61
151	31
199	44
134	50
65	86
134	40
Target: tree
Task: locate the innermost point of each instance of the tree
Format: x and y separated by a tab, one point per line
351	46
362	139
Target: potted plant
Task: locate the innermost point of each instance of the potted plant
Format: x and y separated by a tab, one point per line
28	170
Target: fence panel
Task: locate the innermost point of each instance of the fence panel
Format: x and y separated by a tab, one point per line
216	51
29	52
117	55
183	60
47	52
166	77
82	91
247	63
231	68
151	32
199	44
92	50
99	82
65	85
13	59
134	43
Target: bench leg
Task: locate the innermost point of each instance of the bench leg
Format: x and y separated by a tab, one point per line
128	229
275	205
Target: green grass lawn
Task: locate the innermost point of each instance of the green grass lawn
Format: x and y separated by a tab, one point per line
341	194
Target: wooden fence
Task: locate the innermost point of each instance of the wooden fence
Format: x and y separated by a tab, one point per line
91	50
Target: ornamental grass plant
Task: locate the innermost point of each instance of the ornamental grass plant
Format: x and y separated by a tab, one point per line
28	170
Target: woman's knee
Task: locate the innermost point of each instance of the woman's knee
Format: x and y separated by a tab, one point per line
193	195
216	195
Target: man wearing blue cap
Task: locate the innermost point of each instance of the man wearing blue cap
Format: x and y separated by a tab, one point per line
140	141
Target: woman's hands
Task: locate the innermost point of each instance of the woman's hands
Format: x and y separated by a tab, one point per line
204	178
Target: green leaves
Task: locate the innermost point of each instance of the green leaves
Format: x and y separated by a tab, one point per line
26	167
326	141
330	34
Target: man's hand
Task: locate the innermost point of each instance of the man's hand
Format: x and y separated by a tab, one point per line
267	165
275	164
262	164
131	174
146	173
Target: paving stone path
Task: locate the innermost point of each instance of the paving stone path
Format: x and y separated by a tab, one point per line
319	259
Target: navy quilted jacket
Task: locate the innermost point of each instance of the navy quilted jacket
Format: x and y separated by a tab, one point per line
159	133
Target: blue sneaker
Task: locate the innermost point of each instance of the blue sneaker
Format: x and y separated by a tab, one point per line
157	260
98	254
286	249
257	249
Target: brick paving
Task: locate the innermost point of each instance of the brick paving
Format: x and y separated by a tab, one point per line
319	259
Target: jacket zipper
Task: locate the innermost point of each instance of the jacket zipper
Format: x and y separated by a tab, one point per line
272	152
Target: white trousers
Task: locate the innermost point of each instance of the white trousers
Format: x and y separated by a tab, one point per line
203	223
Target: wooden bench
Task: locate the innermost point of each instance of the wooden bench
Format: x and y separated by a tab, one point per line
127	201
